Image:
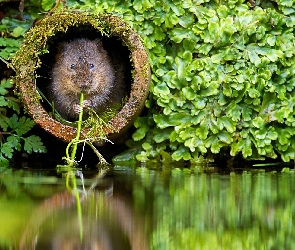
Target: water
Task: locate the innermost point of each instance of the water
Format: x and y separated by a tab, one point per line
138	208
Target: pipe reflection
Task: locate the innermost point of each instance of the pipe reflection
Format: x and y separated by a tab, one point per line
108	222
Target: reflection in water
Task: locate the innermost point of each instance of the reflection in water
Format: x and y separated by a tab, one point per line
174	209
108	223
198	211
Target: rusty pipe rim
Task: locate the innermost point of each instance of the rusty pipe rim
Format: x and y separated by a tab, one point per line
27	61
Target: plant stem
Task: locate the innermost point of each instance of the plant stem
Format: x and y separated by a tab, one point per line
73	187
75	144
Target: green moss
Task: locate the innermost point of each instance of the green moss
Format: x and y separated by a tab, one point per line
145	70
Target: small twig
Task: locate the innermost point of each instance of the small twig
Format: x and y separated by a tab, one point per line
252	3
4	61
53	9
101	159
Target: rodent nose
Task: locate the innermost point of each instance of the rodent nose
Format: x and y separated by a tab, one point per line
83	86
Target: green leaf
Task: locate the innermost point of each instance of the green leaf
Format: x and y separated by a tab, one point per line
162	135
13	121
159	34
24	125
178	10
3	102
126	157
162	89
195	143
4	122
217	58
245	19
7	150
227	123
18	31
4	85
205	48
181	68
246	147
189	94
271	40
214	29
284	135
258	122
17	27
174	119
272	134
14	142
202	131
187	20
181	153
225	137
47	4
189	44
261	134
4	163
173	136
254	58
33	144
187	133
171	19
288	155
253	93
147	146
140	133
214	144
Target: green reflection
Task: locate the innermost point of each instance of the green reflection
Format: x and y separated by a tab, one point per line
176	208
20	193
210	211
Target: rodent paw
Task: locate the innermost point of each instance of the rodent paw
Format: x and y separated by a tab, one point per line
77	108
86	103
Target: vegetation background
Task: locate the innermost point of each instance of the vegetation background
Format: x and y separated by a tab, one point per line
222	77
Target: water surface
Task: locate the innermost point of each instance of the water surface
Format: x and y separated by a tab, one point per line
138	208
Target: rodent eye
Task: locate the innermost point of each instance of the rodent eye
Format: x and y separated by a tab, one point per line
91	65
72	66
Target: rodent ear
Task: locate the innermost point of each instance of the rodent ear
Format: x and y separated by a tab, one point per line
98	42
61	47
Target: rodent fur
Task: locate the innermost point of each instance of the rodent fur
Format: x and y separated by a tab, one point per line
83	65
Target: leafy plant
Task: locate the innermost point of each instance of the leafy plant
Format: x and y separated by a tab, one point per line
222	76
91	137
14	128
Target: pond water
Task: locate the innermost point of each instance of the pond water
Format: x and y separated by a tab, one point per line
139	208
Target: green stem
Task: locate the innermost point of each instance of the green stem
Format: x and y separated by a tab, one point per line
74	150
78	202
73	187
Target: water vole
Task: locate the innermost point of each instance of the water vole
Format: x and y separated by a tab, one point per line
83	65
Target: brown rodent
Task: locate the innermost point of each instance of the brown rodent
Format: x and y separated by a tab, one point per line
83	65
